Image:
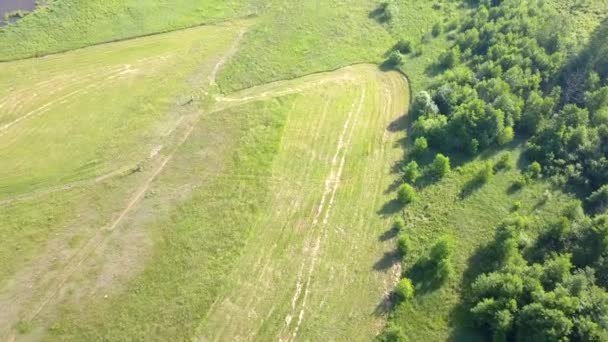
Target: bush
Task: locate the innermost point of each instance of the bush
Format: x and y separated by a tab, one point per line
405	289
505	136
404	46
503	163
486	173
421	145
399	224
534	170
441	165
406	194
392	333
404	245
395	59
411	172
436	30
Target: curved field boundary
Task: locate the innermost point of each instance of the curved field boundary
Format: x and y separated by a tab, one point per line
338	147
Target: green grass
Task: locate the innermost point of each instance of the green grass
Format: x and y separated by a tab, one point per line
97	112
242	238
200	241
66	118
434	315
69	24
296	38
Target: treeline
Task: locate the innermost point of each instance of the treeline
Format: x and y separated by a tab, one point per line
511	71
549	290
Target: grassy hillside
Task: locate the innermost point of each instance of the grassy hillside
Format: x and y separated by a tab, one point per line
300	209
69	24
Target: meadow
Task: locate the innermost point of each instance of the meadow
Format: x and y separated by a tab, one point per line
226	170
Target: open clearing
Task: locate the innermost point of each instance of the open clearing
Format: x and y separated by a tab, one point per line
152	168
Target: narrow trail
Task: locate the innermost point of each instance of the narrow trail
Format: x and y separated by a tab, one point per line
52	291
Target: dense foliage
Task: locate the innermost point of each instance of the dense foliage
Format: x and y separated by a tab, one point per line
553	290
511	71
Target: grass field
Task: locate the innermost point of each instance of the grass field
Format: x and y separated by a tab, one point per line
232	181
69	24
82	144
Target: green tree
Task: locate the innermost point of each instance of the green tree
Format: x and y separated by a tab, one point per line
395	59
421	145
406	194
404	245
405	289
506	136
411	172
441	165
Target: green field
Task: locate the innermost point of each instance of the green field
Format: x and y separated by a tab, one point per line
226	171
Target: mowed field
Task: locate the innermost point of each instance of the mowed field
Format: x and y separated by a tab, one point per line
138	202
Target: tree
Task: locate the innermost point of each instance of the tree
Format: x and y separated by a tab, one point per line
537	323
392	333
405	289
404	245
450	58
406	194
420	145
534	170
599	199
403	46
506	136
486	172
423	104
441	165
411	172
436	29
395	59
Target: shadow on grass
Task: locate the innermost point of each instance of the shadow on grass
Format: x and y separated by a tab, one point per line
461	320
471	187
388	260
380	14
390	208
422	276
389	234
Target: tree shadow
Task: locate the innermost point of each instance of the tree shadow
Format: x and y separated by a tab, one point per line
461	319
422	276
390	208
388	260
470	187
434	69
380	14
389	234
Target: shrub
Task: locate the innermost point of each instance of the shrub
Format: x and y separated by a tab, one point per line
392	333
503	163
421	145
404	46
399	224
486	173
505	136
436	30
450	58
406	194
411	172
395	59
534	170
404	245
405	289
441	165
